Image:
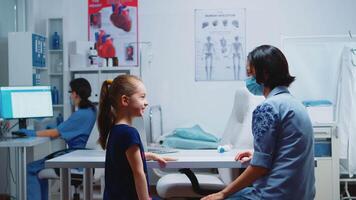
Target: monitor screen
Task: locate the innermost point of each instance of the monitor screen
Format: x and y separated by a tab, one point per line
25	102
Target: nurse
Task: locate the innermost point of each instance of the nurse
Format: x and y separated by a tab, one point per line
282	161
75	131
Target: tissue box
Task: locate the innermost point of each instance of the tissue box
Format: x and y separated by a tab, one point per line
321	114
78	61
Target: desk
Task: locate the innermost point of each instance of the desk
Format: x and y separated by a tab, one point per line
20	145
89	159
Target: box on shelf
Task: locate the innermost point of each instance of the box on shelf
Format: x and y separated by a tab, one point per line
320	111
80	47
78	61
321	114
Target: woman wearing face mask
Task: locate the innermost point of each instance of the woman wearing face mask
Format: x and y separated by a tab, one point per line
75	131
282	162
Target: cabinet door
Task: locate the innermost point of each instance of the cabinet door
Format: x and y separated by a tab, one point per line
323	179
93	79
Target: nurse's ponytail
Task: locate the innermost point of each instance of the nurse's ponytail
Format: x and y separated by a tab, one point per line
109	105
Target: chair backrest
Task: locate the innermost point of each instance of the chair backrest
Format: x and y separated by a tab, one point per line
93	138
139	124
238	131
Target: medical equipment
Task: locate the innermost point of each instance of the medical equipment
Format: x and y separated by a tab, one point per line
224	148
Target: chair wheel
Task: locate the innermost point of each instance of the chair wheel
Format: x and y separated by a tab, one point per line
76	196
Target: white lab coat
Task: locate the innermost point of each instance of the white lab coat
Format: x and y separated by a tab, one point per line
346	109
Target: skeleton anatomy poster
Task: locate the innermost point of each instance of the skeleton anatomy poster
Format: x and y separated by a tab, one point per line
113	29
220	45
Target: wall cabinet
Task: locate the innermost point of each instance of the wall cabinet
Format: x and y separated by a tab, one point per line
96	78
26	60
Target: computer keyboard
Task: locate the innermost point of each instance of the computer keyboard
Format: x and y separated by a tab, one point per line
18	134
161	150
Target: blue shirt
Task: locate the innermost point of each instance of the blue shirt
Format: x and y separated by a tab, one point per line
284	144
119	180
77	128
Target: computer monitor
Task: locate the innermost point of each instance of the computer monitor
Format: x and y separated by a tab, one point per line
25	102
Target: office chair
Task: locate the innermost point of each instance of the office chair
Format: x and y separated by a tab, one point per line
76	175
187	184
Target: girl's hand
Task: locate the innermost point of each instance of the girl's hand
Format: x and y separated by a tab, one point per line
162	161
214	196
244	156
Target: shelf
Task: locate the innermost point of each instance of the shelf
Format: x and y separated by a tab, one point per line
57	105
318	136
40	68
56	74
330	124
55	50
115	68
88	69
323	158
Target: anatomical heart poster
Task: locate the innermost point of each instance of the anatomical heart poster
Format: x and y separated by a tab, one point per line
113	29
220	43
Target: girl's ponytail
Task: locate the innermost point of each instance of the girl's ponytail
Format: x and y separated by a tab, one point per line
106	116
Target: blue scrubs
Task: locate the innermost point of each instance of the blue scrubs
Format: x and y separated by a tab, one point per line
75	131
119	180
284	144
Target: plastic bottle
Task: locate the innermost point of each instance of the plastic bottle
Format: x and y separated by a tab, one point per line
55	41
59	65
110	62
104	62
59	119
55	95
93	56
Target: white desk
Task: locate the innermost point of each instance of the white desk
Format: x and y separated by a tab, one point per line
89	159
20	145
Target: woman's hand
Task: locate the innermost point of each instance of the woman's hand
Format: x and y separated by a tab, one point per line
162	161
244	156
214	196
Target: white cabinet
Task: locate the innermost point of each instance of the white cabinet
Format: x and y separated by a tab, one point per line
327	181
93	79
26	60
97	76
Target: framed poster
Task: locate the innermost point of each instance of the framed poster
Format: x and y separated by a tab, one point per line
113	28
220	45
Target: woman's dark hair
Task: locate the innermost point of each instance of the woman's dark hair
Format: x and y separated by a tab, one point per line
82	87
271	66
110	95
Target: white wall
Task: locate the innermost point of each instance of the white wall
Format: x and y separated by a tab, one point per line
169	26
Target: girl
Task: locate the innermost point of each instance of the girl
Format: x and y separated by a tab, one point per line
125	166
75	131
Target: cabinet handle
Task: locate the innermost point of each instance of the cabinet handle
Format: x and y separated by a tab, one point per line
315	163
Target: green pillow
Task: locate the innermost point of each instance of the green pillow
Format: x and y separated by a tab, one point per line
195	133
